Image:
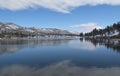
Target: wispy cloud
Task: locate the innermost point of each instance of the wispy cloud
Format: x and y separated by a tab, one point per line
87	27
64	6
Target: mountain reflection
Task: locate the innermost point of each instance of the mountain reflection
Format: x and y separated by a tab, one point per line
10	46
108	43
64	68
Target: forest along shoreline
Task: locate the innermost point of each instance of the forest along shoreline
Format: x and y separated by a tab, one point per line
110	32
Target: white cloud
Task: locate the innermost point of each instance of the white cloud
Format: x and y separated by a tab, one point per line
87	27
64	6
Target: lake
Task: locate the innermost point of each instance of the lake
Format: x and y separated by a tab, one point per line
60	57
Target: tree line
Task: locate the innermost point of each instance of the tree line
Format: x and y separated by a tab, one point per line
110	31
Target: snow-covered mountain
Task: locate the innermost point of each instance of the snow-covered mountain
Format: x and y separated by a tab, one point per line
14	28
9	26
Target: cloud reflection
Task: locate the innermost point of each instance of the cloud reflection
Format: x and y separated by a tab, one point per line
84	46
64	68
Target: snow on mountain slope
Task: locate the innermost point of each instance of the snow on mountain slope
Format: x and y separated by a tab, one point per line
57	31
12	27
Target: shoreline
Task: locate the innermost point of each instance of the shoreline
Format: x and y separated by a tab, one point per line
41	38
104	38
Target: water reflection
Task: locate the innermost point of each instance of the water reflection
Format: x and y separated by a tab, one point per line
64	68
10	46
83	45
108	43
59	57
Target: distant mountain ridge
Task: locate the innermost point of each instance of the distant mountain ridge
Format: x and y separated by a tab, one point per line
9	26
8	29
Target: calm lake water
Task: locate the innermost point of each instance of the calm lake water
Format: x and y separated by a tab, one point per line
59	57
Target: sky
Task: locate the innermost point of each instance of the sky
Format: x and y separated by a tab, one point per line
72	15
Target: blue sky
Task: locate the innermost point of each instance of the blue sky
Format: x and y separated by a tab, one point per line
80	18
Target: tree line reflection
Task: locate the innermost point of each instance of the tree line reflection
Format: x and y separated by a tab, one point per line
108	43
10	46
